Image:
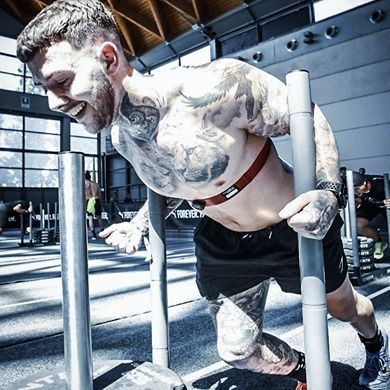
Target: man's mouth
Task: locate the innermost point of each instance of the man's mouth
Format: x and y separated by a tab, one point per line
75	111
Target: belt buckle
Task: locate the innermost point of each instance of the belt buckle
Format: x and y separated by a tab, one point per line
198	204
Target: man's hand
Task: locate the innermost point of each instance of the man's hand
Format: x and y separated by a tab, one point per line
387	203
311	214
125	237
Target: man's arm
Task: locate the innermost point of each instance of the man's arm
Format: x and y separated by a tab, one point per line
127	236
310	214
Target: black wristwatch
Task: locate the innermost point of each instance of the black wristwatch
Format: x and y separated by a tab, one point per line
337	188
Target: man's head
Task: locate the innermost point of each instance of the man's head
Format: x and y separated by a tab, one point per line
73	50
360	184
87	175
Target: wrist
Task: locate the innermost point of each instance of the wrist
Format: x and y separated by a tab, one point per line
337	189
142	226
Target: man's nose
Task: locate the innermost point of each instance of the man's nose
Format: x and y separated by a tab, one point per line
56	101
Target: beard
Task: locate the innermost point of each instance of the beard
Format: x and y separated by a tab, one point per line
102	103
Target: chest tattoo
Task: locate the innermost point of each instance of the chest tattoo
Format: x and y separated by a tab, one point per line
143	119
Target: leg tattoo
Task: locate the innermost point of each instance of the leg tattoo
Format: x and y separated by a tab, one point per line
238	320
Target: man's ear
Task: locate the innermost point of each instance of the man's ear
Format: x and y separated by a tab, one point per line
108	54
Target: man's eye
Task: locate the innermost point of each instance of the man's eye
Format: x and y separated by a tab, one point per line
62	82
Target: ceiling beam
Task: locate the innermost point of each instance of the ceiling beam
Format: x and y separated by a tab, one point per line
183	9
158	17
198	9
124	30
138	21
41	4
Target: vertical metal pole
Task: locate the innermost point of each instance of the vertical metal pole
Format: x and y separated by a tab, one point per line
74	269
352	225
55	221
21	216
41	213
387	196
30	222
48	215
311	265
158	280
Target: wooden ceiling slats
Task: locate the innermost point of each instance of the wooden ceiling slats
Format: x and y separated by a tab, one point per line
184	9
197	6
143	24
124	30
138	20
158	18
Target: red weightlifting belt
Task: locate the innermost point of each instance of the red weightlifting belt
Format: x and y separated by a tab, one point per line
240	184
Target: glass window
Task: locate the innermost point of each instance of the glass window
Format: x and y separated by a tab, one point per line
8	45
10	177
77	129
10	65
11	122
40	160
10	159
31	88
11	83
42	142
198	57
11	139
326	8
40	178
84	145
43	125
91	164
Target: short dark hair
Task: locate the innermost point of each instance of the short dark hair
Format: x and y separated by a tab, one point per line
87	175
358	178
79	22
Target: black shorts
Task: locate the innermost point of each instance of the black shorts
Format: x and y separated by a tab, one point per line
230	262
370	211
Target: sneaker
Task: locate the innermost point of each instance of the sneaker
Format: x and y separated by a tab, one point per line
376	371
379	250
301	386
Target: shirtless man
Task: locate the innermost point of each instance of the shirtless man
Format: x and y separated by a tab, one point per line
94	206
202	134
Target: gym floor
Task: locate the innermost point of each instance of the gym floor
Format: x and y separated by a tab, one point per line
31	337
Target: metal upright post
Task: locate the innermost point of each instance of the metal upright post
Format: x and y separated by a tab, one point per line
158	280
74	269
352	225
310	251
387	195
30	223
21	229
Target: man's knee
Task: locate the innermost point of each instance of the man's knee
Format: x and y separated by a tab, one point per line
361	223
240	352
346	304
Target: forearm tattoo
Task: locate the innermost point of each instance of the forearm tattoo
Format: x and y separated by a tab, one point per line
324	210
241	341
327	157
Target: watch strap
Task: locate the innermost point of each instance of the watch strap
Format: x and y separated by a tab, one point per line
336	188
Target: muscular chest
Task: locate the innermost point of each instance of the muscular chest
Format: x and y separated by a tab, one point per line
179	155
